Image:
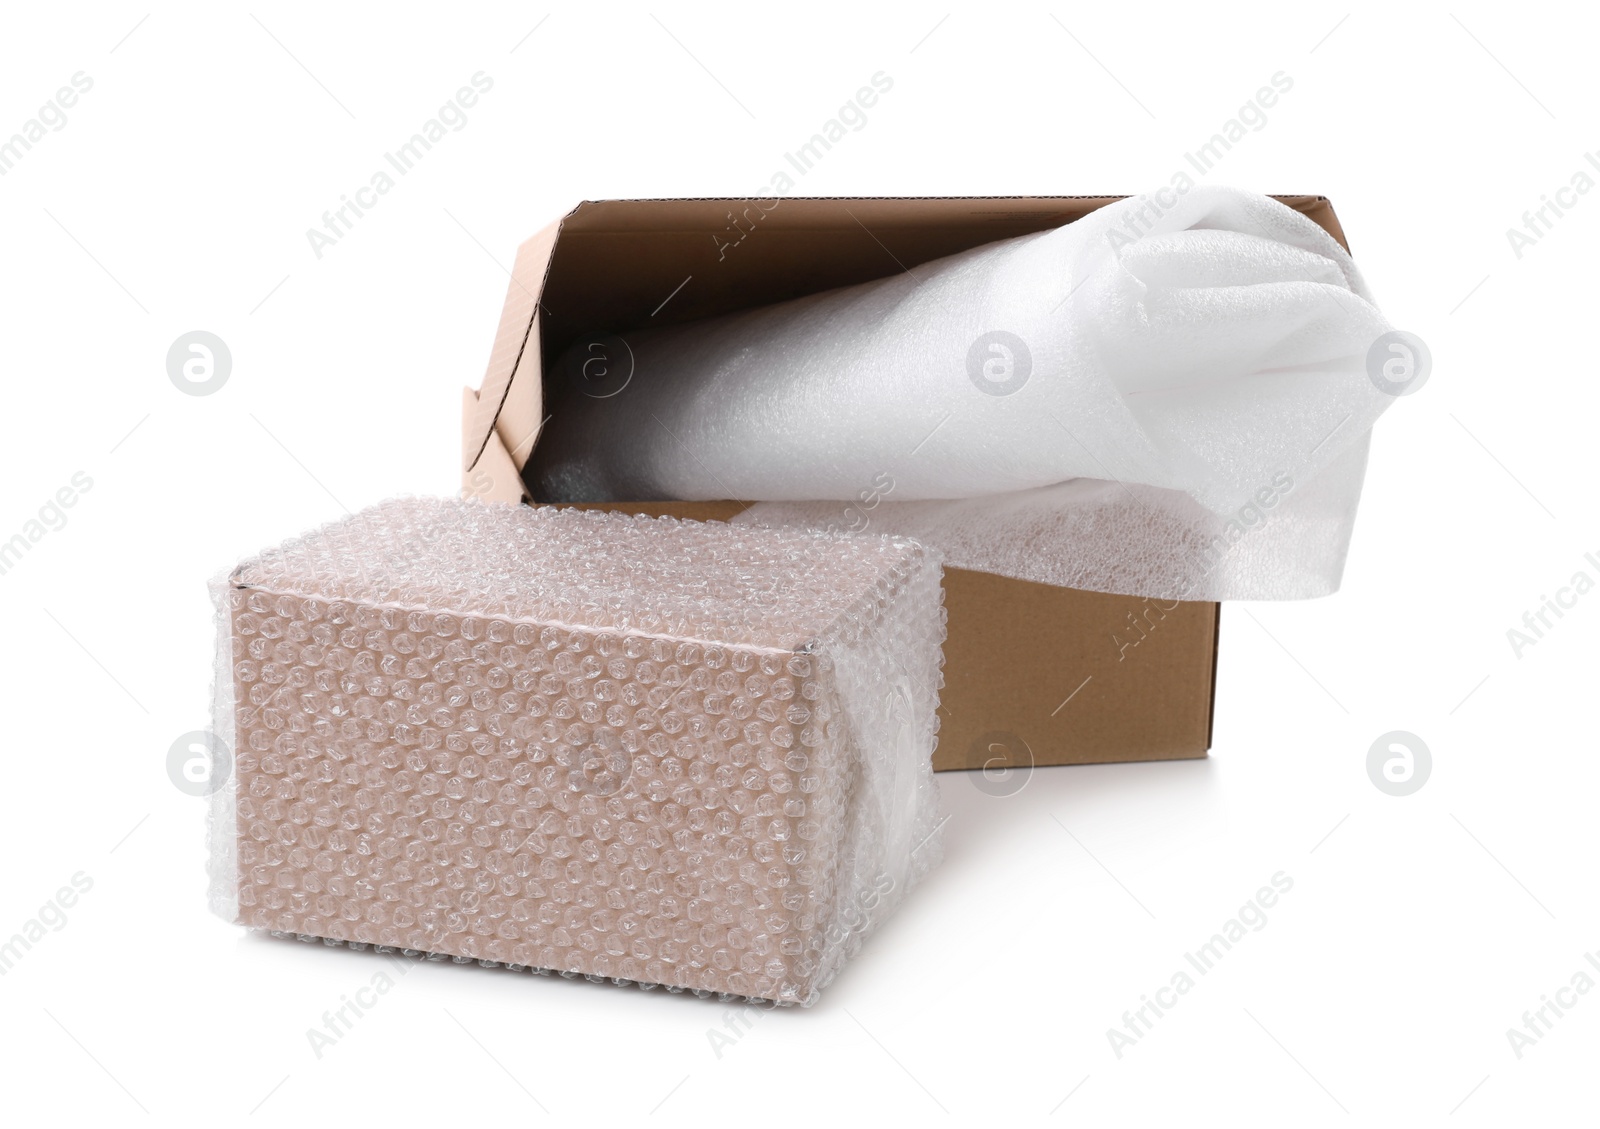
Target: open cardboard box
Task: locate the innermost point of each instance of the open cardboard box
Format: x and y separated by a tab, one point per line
1033	674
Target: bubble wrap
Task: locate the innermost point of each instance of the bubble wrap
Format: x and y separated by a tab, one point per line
645	750
1115	404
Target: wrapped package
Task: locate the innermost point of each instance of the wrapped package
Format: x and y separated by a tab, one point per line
1169	397
646	750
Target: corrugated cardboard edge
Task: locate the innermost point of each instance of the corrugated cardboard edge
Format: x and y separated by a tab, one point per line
1216	646
501	421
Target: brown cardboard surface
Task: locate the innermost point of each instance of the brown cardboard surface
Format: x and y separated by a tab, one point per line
1042	675
1033	674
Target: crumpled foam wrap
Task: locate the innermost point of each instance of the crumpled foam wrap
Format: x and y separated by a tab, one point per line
1170	403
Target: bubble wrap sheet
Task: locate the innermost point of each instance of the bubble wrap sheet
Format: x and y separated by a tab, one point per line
646	750
1170	401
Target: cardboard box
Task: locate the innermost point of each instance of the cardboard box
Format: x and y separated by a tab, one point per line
431	760
1033	674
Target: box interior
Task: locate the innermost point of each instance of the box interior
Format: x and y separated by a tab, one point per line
1034	674
623	264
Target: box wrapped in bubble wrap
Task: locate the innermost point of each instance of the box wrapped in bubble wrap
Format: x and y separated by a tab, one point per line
639	749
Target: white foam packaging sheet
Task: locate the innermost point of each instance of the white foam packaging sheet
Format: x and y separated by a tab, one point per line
1169	397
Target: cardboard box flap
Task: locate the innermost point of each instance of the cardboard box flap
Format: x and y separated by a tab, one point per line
511	354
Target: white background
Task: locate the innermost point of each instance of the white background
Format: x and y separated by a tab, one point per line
1418	930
